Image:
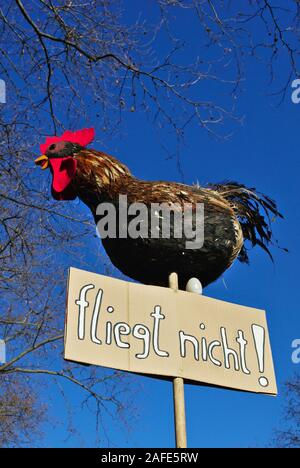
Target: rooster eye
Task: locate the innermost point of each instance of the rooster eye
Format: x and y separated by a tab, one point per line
52	147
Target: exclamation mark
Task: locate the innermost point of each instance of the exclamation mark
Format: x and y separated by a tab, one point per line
259	341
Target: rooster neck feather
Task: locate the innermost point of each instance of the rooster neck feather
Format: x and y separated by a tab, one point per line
99	177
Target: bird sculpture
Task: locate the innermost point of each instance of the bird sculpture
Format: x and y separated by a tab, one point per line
232	213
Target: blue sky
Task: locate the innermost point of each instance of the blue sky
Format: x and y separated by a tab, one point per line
264	153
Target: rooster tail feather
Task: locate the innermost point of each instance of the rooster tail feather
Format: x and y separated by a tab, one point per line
255	212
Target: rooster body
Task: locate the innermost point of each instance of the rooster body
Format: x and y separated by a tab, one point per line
232	214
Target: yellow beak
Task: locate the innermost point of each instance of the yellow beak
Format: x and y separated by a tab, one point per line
42	161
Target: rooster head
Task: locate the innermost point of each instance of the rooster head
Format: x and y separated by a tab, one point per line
59	154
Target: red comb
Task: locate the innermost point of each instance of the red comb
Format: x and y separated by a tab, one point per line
82	137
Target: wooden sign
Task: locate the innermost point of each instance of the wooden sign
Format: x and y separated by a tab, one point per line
159	331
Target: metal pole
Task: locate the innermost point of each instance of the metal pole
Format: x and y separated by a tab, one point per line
178	391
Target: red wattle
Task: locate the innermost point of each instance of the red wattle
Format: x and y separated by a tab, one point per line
63	171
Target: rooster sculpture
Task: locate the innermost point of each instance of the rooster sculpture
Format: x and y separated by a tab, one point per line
233	213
